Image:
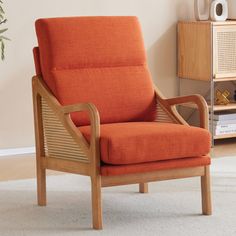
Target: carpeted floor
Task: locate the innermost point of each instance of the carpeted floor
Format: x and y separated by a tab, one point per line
171	208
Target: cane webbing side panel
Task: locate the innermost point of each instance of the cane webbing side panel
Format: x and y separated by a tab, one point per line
226	51
58	142
162	116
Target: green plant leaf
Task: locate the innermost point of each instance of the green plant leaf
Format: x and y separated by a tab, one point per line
1	10
3	21
4	38
3	30
2	49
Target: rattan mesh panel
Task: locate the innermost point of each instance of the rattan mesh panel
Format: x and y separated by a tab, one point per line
162	116
226	51
58	142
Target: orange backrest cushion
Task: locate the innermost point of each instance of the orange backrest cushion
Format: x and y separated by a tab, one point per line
100	60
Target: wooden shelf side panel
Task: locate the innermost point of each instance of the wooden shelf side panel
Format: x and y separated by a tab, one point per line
194	50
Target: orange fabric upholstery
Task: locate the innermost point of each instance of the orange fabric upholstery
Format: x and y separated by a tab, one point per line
141	142
100	60
108	170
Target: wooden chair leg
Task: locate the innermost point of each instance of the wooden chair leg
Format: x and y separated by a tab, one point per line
206	192
143	187
41	185
96	202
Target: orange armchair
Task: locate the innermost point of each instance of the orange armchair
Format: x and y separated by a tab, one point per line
97	112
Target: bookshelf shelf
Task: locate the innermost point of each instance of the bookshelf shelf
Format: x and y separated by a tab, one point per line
230	106
233	135
224	79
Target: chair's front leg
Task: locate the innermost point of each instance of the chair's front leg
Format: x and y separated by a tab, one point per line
96	202
206	192
41	183
143	187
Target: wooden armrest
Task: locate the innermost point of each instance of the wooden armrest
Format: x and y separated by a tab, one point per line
196	99
93	115
89	107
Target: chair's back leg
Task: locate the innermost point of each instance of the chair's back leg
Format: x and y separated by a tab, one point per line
41	184
96	202
39	138
143	187
206	192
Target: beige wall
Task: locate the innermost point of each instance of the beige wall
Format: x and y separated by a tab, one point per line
158	19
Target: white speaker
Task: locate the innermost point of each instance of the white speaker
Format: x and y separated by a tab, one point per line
219	10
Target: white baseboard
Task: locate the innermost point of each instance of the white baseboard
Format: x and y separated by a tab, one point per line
16	151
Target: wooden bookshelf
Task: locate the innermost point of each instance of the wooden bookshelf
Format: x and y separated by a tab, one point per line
206	52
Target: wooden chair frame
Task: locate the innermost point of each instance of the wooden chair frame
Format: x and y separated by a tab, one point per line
60	146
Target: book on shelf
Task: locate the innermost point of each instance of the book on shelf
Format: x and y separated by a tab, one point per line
222	131
223	122
225	127
223	116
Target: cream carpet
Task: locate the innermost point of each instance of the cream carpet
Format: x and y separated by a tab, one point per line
171	208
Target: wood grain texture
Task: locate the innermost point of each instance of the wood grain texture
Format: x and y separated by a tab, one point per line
143	187
96	202
206	192
206	50
194	50
153	176
40	154
69	166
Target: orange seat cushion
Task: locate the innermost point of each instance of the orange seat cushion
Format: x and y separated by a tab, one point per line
100	60
110	170
141	142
